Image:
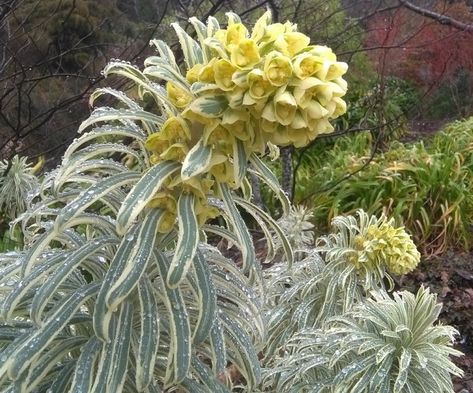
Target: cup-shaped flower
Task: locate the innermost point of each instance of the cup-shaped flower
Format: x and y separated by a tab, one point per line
271	32
280	136
219	138
207	73
223	73
205	212
285	107
306	64
312	88
390	246
180	98
236	122
331	70
302	136
245	54
192	74
291	43
336	107
164	200
259	86
235	33
223	173
277	68
176	129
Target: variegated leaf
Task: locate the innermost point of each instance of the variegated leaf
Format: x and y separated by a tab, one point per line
209	106
149	335
190	48
207	298
134	268
143	191
197	160
187	240
179	357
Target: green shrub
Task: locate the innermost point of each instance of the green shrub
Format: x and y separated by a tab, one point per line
18	186
117	288
332	327
429	188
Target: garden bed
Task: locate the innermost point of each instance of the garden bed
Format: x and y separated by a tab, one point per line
451	277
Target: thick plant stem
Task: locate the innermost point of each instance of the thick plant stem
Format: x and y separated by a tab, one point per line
287	179
256	187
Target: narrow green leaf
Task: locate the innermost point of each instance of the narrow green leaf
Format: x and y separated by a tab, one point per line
92	195
40	339
191	50
49	361
265	174
50	287
207	299
187	240
403	372
134	267
149	335
85	367
219	351
125	252
179	357
197	160
243	351
37	275
159	68
121	347
209	380
165	52
212	26
63	378
217	46
241	230
201	31
103	114
255	211
240	162
113	363
143	191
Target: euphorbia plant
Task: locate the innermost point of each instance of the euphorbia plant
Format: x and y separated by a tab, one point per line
116	289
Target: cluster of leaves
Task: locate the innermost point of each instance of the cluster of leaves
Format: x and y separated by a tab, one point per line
426	188
333	327
18	184
117	288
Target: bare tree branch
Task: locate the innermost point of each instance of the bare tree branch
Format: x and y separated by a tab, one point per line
441	18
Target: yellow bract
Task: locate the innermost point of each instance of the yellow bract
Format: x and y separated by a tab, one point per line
277	68
251	90
223	73
178	97
245	54
291	43
165	201
387	245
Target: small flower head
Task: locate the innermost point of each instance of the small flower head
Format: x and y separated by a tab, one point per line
382	244
277	68
179	97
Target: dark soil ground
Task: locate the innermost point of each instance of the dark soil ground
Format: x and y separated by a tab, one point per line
451	277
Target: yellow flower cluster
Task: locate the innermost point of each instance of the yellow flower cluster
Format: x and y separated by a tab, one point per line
386	245
252	90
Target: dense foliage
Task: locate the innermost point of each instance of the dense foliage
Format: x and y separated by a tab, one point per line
428	188
118	288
